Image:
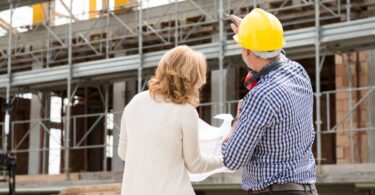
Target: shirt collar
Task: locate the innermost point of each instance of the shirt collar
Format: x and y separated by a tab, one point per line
263	78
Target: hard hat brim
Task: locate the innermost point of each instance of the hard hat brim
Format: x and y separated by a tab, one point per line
235	38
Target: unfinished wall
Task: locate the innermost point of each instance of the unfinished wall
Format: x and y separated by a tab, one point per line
21	110
351	66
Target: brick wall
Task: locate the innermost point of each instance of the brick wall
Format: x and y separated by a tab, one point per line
357	61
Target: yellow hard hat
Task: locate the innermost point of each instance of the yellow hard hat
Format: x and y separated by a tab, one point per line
260	31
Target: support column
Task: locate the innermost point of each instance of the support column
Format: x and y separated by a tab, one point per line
371	107
217	88
46	138
118	107
35	143
230	83
35	135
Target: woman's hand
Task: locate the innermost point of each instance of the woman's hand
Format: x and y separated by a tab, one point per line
229	135
236	24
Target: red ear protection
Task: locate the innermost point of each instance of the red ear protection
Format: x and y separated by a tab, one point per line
252	77
249	85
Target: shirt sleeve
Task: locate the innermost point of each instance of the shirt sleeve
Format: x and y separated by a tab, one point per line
194	161
256	115
123	140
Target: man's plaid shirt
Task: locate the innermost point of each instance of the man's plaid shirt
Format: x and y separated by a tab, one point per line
275	133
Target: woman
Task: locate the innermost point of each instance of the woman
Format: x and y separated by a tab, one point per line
159	129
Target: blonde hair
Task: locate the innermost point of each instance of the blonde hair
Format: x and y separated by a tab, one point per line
179	75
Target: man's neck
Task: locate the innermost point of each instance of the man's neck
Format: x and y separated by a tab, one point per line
261	63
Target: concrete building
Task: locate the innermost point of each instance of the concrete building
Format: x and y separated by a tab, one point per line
69	74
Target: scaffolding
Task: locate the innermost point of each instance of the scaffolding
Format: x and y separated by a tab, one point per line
203	24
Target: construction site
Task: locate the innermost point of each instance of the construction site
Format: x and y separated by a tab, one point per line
69	67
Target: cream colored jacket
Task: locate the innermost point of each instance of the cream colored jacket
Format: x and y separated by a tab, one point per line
159	144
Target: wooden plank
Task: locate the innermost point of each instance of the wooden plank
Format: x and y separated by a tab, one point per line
44	178
110	189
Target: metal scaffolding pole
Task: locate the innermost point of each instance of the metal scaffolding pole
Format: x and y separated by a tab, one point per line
70	75
176	24
107	31
348	7
106	99
48	57
9	70
318	121
221	57
140	46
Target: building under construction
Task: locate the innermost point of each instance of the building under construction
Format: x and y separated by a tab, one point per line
67	74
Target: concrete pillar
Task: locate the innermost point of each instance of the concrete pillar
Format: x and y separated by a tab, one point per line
35	135
35	131
215	93
231	90
371	107
123	92
118	106
46	136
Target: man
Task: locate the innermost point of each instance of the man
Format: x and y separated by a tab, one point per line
273	136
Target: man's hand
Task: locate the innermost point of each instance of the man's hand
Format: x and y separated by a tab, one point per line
229	135
236	24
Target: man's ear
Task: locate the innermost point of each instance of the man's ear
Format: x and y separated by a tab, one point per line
248	52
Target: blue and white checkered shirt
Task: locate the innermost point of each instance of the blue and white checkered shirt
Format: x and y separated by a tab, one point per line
275	133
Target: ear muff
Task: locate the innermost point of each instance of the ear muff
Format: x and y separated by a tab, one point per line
250	84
